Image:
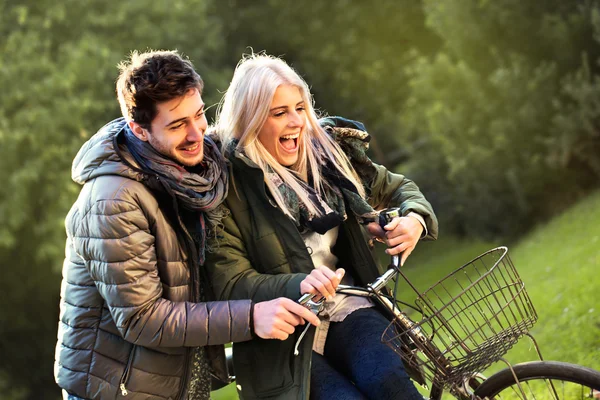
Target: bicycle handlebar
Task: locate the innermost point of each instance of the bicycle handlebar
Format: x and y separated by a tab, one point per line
385	217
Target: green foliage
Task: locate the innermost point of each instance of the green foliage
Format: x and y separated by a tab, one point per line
8	392
575	139
58	89
495	116
352	54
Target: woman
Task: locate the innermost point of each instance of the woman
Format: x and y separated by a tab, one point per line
300	192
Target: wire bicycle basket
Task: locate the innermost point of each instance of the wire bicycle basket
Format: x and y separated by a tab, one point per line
471	318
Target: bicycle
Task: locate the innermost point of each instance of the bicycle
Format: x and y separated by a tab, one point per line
463	331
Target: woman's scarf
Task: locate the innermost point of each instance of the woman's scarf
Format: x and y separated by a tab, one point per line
337	195
199	189
338	192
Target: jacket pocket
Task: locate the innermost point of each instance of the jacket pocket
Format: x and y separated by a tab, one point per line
122	391
264	368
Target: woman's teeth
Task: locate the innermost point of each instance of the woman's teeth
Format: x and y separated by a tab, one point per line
288	142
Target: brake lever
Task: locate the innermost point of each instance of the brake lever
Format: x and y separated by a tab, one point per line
315	307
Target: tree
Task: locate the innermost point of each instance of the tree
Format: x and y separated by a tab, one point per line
57	74
483	112
352	54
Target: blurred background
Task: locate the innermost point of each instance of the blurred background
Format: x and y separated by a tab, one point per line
492	107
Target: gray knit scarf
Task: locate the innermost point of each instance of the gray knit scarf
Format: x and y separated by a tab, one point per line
200	189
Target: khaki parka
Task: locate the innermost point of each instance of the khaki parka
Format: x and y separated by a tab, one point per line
260	254
128	315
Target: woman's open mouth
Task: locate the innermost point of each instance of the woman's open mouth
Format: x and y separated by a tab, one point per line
289	142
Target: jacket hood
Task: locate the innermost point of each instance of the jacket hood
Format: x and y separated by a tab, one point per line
98	156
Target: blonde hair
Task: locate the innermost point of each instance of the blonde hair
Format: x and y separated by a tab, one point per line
244	110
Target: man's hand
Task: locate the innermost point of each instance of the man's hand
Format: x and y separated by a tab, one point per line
277	319
322	281
401	235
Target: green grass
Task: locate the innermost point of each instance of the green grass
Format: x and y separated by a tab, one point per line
227	393
559	263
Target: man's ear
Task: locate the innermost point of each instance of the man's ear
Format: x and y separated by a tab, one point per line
138	131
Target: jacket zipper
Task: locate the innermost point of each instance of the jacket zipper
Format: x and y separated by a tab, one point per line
125	376
193	297
185	377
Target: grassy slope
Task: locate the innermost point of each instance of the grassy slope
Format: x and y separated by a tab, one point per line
559	263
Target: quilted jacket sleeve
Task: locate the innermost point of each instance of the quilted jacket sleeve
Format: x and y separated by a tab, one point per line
114	238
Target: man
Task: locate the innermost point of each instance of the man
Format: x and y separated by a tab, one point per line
136	318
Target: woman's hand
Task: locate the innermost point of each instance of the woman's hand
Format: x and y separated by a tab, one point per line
322	281
401	235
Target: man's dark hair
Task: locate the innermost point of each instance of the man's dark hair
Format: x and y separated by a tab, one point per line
153	77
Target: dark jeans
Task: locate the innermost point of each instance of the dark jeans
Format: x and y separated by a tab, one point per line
357	365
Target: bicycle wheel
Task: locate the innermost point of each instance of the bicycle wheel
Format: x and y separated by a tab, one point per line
542	380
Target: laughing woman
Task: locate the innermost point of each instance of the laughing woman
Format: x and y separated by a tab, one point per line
302	191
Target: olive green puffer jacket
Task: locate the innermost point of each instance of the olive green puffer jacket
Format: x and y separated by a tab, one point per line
128	318
261	255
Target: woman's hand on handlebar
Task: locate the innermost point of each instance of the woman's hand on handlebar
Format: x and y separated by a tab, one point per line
322	281
401	235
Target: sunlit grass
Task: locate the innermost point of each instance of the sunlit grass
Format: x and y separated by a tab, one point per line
558	263
228	392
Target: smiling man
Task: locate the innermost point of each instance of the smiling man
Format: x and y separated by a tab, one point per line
137	317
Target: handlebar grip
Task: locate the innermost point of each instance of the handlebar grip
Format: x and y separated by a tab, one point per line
386	216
